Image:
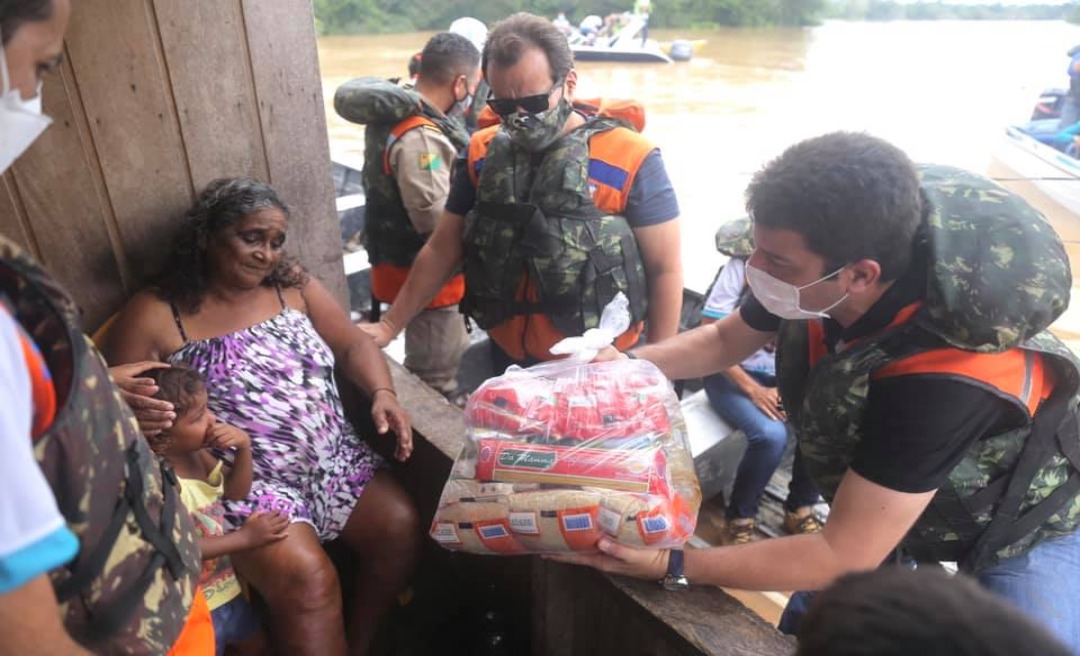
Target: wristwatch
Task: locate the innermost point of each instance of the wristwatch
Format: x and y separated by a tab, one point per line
675	579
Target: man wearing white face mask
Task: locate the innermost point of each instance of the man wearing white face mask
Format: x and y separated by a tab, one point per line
95	551
932	408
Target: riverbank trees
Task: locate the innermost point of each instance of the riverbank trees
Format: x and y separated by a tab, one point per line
363	16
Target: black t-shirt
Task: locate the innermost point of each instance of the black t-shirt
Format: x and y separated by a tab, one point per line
916	428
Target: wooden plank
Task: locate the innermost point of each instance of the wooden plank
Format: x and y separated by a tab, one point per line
207	59
285	65
12	218
116	55
706	618
54	181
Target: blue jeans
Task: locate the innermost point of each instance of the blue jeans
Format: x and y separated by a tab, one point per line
234	624
1042	583
1045	583
766	441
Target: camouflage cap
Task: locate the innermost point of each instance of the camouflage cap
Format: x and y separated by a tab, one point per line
735	238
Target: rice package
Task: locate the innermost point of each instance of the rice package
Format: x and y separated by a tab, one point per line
564	453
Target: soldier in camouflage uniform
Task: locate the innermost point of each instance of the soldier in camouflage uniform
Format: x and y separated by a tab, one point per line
932	408
96	551
411	140
553	212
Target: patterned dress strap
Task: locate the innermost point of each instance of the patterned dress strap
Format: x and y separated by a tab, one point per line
179	324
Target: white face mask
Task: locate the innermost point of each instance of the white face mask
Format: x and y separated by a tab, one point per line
21	121
784	299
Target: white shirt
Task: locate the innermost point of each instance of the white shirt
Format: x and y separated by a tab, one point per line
723	297
33	535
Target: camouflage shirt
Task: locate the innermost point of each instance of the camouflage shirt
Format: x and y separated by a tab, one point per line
121	594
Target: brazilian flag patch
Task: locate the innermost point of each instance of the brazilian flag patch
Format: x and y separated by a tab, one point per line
430	162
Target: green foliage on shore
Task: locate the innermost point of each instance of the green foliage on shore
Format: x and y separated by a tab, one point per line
364	16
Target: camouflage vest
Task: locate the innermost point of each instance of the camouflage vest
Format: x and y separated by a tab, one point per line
130	587
537	221
389	235
998	275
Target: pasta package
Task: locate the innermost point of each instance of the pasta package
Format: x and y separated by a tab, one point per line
562	454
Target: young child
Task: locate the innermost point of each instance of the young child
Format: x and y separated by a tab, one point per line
204	479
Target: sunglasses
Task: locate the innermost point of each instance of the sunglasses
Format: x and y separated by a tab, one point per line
530	104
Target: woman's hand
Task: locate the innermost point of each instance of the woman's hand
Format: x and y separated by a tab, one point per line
767	399
388	414
154	415
620	559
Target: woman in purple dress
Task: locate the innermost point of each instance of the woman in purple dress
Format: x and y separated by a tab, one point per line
266	337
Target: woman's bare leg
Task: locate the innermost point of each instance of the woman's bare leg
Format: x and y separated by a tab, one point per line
300	587
383	534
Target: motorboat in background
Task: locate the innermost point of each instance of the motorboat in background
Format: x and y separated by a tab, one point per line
628	45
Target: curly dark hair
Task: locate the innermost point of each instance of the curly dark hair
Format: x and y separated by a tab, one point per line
179	386
183	279
14	13
850	195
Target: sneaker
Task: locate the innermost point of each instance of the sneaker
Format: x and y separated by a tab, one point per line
738	531
802	522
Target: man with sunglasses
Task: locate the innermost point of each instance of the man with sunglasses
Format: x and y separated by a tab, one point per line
410	145
552	212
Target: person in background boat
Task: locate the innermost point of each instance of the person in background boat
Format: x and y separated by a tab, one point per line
563	24
896	611
267	339
745	396
624	235
932	408
476	32
406	195
69	448
204	479
590	28
1070	109
642	9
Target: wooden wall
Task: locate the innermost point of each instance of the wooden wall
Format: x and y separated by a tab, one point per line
155	99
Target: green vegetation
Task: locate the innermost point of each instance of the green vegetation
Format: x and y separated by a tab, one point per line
361	16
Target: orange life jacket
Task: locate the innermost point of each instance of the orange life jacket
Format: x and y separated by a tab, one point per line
1016	375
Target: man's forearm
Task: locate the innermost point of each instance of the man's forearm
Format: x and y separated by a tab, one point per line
665	305
692	354
429	273
798	562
